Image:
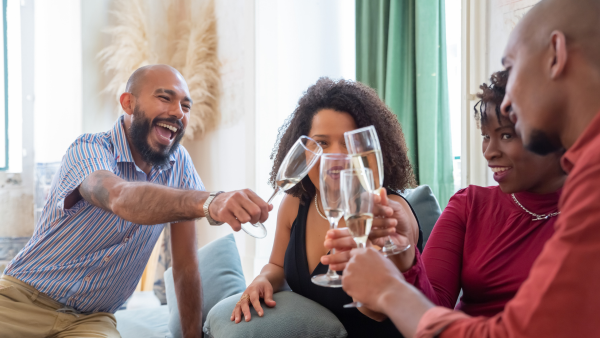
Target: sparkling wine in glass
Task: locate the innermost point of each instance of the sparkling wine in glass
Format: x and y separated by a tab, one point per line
331	199
301	157
363	145
357	202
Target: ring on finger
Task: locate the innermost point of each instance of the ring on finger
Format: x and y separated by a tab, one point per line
245	297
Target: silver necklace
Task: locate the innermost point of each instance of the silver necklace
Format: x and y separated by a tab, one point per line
536	217
317	206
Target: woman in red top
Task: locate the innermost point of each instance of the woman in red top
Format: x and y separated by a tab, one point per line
487	238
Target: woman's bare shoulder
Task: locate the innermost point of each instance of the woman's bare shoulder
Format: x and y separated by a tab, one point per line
288	210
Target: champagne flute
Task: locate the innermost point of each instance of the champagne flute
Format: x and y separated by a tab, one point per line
329	186
356	187
301	157
364	146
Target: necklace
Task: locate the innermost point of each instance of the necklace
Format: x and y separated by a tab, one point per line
317	206
536	216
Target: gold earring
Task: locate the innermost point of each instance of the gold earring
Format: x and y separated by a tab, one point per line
302	185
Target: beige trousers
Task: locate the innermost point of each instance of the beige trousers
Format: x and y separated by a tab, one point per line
25	312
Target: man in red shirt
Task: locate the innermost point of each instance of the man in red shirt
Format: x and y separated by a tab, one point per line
553	96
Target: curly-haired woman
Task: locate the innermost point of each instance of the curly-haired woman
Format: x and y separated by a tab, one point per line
325	112
487	238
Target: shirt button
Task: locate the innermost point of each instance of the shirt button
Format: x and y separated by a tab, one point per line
126	239
87	279
107	258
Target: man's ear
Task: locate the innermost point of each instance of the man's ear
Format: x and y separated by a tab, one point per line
558	46
127	101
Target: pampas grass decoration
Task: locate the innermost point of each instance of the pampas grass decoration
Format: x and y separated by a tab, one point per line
130	47
196	58
186	39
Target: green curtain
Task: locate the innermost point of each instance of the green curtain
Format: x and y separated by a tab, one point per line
401	53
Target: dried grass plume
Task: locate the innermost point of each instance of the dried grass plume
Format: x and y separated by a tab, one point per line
186	39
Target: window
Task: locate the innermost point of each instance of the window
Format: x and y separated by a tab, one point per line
4	96
453	57
11	117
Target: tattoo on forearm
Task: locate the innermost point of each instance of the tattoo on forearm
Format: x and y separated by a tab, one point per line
93	190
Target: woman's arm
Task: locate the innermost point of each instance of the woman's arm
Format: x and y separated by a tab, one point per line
271	276
437	272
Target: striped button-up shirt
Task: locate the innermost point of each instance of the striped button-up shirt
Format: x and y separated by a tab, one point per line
85	257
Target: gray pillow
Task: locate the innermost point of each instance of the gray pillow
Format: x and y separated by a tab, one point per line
222	276
426	207
293	316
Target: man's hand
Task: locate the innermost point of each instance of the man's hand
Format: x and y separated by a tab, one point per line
369	276
374	280
237	207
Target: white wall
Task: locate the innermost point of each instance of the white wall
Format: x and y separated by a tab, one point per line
58	99
502	17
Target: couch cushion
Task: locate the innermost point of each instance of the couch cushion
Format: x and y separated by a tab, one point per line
222	276
426	207
147	323
293	316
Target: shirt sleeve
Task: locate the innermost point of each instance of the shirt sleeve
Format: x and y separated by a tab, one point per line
559	298
191	179
81	159
437	272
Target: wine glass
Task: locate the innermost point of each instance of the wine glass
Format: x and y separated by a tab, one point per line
329	186
364	146
301	157
356	187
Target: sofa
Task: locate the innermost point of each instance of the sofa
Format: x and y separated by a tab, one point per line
223	282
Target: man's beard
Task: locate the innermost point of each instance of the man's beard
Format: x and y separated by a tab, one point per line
541	144
140	129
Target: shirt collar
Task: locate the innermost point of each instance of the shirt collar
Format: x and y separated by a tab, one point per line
121	146
590	133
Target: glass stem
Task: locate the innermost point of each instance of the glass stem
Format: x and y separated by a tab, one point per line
330	273
277	190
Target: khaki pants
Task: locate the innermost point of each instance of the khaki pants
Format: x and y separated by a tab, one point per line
25	312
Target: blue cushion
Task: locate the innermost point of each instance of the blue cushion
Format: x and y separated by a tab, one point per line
426	207
147	323
222	276
293	316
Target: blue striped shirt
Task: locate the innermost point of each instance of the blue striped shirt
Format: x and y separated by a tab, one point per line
85	257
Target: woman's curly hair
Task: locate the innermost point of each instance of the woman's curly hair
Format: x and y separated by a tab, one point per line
494	94
365	107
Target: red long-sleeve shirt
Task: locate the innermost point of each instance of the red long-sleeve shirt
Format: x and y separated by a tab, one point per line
561	296
484	243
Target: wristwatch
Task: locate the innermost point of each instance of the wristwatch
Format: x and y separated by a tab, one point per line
209	200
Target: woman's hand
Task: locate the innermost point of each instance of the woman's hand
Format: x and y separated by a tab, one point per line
342	242
259	288
406	230
391	219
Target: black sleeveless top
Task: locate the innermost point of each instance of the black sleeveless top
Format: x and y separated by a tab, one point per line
298	277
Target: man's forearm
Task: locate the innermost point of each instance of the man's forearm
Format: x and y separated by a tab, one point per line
142	203
188	288
147	203
405	308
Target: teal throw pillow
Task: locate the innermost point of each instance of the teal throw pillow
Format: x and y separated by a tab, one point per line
222	276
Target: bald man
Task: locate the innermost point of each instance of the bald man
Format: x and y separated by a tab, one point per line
106	208
553	96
